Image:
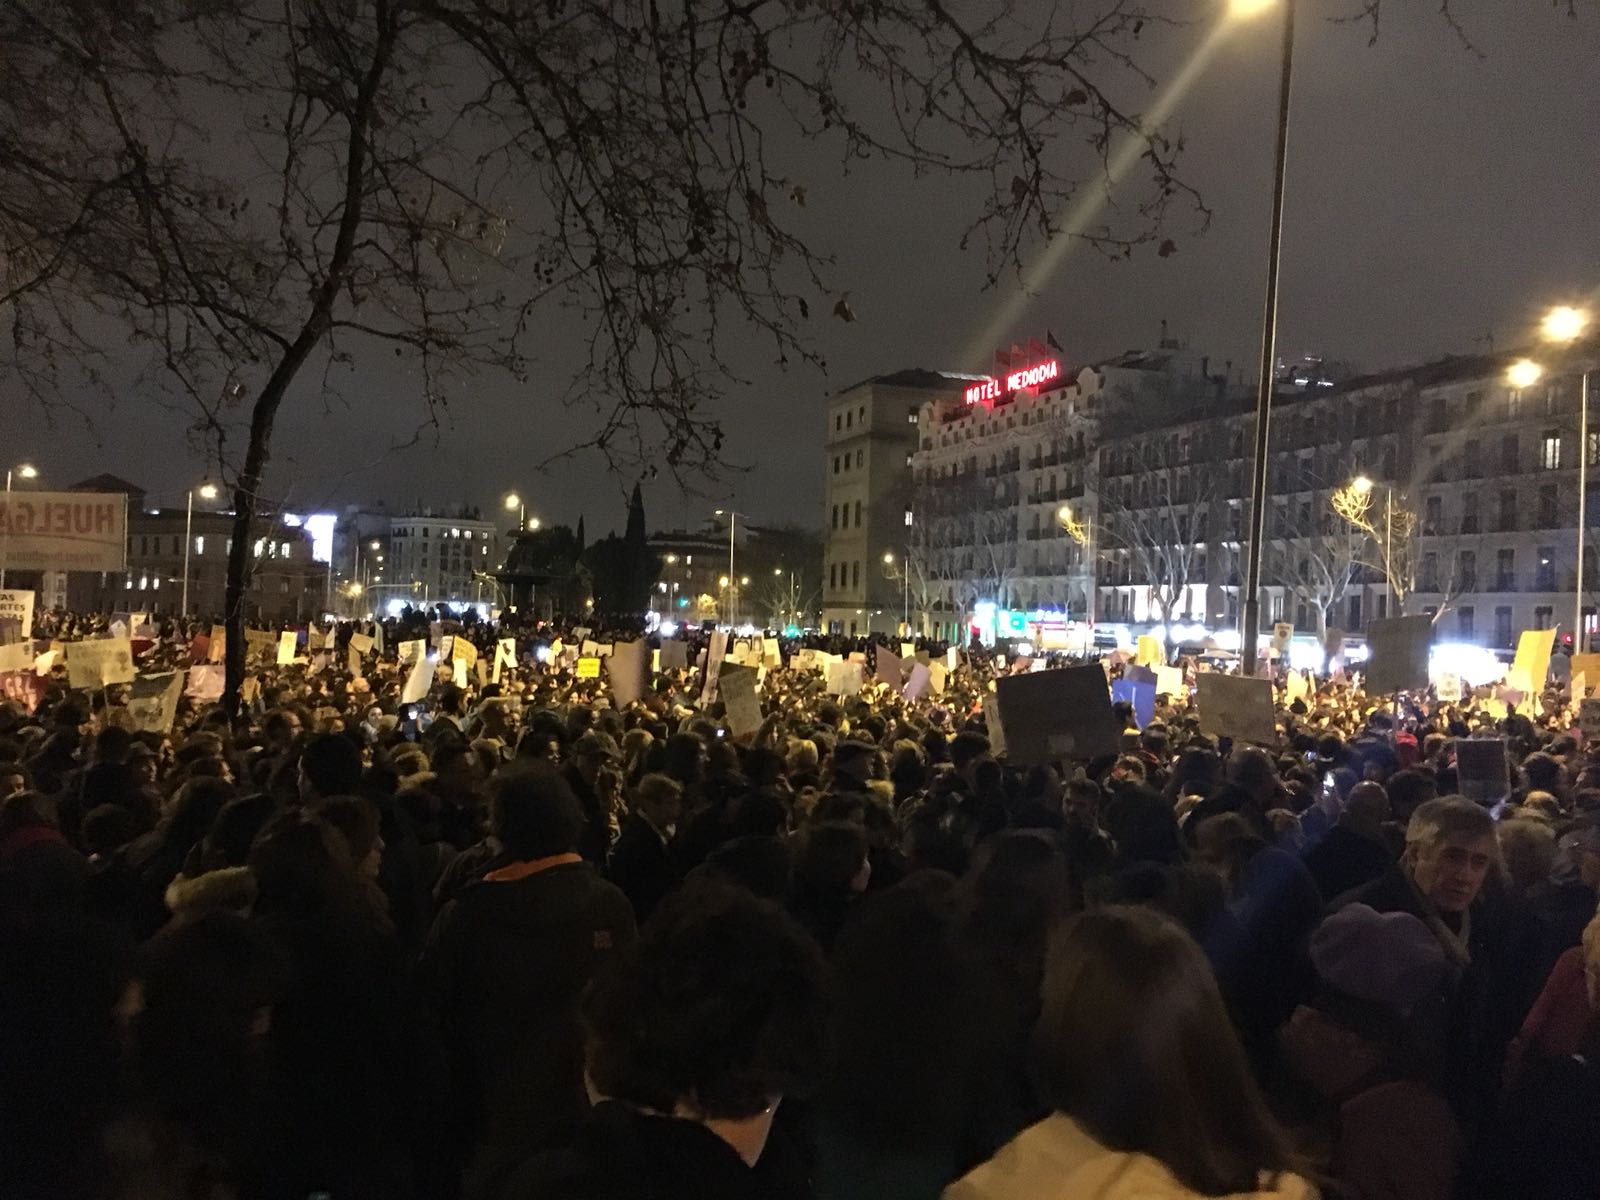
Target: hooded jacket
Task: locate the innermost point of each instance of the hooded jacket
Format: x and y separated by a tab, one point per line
506	964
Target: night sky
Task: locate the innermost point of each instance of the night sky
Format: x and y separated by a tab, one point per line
1434	197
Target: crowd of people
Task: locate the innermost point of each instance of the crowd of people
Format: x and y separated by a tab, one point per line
517	942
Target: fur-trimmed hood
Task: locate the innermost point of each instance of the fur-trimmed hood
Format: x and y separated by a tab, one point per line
230	888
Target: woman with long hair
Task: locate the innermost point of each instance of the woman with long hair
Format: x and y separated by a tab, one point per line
1150	1092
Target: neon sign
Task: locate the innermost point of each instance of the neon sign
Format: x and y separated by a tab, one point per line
992	391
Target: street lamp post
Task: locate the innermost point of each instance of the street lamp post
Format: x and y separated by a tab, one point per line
208	491
24	471
733	521
1269	337
1564	325
905	587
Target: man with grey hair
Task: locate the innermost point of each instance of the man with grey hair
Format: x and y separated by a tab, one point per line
592	772
1449	878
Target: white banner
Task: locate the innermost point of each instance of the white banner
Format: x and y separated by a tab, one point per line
18	606
64	531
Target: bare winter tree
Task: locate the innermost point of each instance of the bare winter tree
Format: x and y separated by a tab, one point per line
965	545
232	198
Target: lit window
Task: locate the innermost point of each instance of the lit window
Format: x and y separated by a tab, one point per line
144	582
155	584
908	516
261	544
1550	451
199	543
288	548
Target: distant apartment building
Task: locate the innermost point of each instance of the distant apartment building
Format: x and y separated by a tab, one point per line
435	556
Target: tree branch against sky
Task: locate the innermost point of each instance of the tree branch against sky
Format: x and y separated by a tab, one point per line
230	197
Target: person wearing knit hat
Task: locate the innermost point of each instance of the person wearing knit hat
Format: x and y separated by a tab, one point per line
1352	1056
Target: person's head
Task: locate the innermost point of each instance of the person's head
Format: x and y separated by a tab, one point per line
14	778
456	766
593	752
1542	771
1591	961
1133	1042
356	819
193	809
1528	849
1252	769
1408	790
659	799
302	868
330	765
1367	808
1227	843
280	727
107	829
715	1014
534	813
833	859
853	760
1391	960
1450	849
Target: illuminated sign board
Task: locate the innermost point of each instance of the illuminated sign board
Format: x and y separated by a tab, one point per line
994	391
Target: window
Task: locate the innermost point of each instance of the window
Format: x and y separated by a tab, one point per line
1545	577
849	419
1469	512
1429	579
288	549
838	422
1383	605
199	543
1471	465
1547	506
1550	450
858	514
908	518
176	544
911	416
144	546
1514	403
1506	571
855	573
836	516
1508	511
1543	616
1433	519
836	464
1466	625
861	457
1510	451
1467	570
1502	626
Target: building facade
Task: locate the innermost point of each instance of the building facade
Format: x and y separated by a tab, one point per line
870	436
438	557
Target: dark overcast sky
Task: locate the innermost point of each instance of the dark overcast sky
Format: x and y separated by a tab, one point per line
1433	196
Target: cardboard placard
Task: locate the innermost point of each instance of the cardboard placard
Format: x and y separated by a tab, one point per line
1589	717
1398	660
99	662
628	667
588	667
17	605
674	655
994	726
1139	695
217	647
461	650
917	683
505	657
715	653
24	687
1052	715
1237	707
738	689
1169	682
361	643
1531	666
887	668
1149	652
353	662
1282	632
938	674
420	677
205	682
153	702
844	678
18	656
1448	689
287	644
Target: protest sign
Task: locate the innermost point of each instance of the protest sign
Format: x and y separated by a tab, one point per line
952	659
461	650
1236	706
458	672
887	667
1051	715
153	702
99	662
938	674
908	649
1169	681
917	682
628	666
715	653
24	687
1295	686
420	678
1140	696
994	726
1587	665
1531	666
1578	688
18	656
1149	652
287	644
737	686
353	662
361	644
45	661
588	667
1282	632
1448	689
217	647
17	605
260	643
505	657
249	689
1399	654
1482	773
205	682
589	649
65	531
674	655
844	678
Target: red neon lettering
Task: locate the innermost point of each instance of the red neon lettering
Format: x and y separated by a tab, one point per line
1028	377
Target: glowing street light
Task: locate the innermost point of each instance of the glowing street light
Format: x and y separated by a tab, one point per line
1248	10
22	471
207	491
1523	373
1563	324
1077	530
1362	484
